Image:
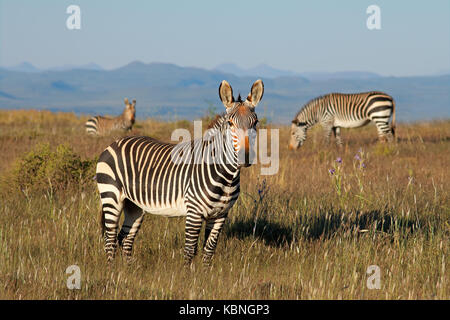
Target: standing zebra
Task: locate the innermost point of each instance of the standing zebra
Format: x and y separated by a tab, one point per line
199	179
337	110
99	125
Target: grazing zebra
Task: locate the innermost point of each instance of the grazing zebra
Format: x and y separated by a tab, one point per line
337	110
198	179
99	125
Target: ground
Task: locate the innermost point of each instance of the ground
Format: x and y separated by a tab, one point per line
311	231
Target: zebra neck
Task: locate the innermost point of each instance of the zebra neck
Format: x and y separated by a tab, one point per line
220	146
312	113
311	123
309	120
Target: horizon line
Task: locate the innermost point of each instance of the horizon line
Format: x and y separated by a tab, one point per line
69	67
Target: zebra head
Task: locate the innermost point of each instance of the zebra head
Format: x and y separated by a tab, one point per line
242	119
130	110
298	134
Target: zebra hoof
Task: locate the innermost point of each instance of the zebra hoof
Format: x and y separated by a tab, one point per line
207	261
187	262
129	260
207	264
109	260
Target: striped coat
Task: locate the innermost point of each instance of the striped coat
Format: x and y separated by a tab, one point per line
100	126
199	179
337	110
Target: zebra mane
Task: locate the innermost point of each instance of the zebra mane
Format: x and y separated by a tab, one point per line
311	103
217	121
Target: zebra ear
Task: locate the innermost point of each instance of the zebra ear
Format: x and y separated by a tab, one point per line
126	101
226	94
256	94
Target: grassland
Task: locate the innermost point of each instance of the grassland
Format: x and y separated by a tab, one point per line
304	233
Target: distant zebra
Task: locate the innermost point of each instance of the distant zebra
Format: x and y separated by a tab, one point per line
199	179
337	110
99	125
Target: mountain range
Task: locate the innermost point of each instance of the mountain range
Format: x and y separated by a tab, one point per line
168	91
261	70
266	71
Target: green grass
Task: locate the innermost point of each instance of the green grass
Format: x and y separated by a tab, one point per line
301	236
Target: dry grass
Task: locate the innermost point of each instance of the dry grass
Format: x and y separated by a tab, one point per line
300	234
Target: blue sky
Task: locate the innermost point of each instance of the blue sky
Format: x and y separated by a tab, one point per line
301	36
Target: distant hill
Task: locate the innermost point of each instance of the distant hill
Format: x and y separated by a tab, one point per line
28	67
354	75
169	91
23	67
262	70
266	71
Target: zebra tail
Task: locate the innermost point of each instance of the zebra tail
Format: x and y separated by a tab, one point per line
393	118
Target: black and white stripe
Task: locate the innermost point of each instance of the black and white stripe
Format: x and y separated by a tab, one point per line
92	125
337	110
199	179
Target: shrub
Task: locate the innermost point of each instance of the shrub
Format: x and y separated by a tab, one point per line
43	168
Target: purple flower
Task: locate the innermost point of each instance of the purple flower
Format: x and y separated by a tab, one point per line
339	160
262	188
357	157
331	171
363	166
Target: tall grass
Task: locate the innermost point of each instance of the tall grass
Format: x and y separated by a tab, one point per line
305	233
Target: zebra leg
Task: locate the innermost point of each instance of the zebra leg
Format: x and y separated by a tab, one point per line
337	135
392	135
384	131
111	211
212	231
192	231
327	128
130	227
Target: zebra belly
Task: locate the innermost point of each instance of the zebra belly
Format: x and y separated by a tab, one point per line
350	123
176	209
167	211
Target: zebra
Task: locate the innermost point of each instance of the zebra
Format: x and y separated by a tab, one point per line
337	110
140	174
99	125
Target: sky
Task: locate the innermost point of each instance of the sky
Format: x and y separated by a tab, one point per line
300	36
